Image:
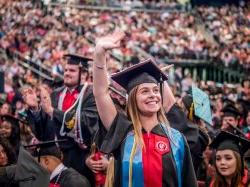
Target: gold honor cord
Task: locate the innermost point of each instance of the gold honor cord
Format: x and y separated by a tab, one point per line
131	163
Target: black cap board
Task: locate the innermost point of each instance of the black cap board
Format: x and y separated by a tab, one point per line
75	59
144	72
230	110
47	148
10	118
187	101
226	140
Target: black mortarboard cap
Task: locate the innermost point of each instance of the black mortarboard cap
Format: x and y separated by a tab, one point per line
144	72
230	110
10	118
225	140
187	101
227	101
47	148
78	60
54	83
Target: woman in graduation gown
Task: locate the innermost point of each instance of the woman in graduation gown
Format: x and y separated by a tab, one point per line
7	158
10	130
229	161
147	151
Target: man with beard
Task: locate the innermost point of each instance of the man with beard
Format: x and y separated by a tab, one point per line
70	111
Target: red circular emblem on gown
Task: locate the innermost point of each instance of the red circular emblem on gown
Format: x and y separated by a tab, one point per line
162	146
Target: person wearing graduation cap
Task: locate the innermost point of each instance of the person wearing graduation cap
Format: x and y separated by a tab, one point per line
43	168
229	119
49	157
71	110
10	130
147	150
195	133
40	124
229	161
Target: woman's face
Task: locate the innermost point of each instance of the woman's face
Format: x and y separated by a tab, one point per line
4	109
5	129
3	157
226	162
148	98
246	84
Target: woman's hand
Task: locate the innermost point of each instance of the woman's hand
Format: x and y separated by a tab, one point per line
97	165
104	103
46	101
30	98
168	97
110	41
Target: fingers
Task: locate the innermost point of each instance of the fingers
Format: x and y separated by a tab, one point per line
96	166
45	97
111	41
43	92
118	35
167	67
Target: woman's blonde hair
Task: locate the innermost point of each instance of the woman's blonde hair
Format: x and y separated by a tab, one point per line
133	115
237	177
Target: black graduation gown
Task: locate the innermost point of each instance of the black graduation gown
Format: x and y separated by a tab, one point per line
196	138
74	156
41	125
70	178
7	178
114	142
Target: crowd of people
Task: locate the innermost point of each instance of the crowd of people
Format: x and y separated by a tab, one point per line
105	138
231	32
174	34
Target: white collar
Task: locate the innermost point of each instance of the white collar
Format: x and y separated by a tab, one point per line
71	89
57	170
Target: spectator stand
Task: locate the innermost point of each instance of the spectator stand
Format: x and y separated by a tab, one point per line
205	69
39	70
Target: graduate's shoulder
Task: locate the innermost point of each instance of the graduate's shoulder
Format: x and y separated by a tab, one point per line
72	178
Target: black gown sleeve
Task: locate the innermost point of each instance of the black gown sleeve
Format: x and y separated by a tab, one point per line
74	179
90	118
188	173
196	138
7	174
57	114
117	133
41	125
179	121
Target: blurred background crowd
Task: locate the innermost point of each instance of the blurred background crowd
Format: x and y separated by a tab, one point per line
34	36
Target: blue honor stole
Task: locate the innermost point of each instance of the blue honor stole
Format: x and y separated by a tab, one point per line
177	148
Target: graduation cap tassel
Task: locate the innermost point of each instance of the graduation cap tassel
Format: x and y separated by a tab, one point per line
39	154
161	88
191	112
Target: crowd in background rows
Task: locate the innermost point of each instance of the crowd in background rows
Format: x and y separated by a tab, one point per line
45	35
